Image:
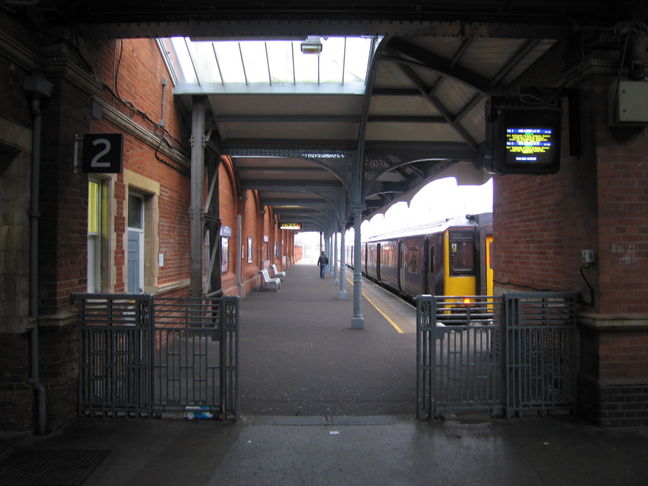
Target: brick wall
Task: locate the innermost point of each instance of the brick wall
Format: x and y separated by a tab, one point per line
252	227
228	202
597	201
16	395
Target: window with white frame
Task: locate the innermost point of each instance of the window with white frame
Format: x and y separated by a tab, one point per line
135	248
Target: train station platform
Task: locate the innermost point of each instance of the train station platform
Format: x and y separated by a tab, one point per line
300	356
324	404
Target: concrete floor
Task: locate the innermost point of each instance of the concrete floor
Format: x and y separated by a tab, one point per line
370	450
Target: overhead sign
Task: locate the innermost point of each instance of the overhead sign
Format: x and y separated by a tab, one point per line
290	226
102	152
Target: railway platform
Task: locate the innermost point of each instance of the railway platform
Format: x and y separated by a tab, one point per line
324	404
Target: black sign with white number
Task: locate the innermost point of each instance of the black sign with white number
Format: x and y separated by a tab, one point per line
102	152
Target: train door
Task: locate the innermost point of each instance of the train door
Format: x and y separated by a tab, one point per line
429	266
402	259
489	265
378	261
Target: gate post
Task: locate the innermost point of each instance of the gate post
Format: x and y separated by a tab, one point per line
229	354
150	345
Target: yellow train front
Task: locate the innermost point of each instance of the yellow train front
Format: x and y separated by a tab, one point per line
451	258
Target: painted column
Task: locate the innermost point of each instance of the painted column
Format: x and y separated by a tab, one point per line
335	257
197	182
343	293
357	321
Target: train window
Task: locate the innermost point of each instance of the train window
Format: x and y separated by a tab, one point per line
412	260
462	261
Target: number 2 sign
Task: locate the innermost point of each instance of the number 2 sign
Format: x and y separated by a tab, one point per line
102	152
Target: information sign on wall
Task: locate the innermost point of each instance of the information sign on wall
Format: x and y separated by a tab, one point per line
102	152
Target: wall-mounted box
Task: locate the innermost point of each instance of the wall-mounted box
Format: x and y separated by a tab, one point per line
629	102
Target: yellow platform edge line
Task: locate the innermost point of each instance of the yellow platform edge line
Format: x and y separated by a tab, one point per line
380	311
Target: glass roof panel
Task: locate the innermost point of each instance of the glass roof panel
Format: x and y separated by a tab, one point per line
332	60
267	65
186	70
280	54
205	62
255	61
357	58
229	59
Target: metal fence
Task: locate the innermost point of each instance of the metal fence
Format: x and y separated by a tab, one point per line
145	356
516	352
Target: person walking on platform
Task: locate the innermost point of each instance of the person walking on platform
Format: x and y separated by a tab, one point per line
322	263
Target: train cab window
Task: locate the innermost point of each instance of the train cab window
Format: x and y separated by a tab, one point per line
462	256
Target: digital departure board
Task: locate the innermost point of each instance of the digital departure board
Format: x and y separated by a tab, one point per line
525	140
290	226
529	145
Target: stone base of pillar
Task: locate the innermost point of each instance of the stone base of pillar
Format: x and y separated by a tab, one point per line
342	295
613	382
357	322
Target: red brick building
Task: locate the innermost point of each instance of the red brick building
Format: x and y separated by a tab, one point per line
129	231
108	233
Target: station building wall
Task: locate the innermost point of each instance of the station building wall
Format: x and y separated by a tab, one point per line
108	86
597	201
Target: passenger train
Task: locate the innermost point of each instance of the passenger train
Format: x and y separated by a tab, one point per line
449	258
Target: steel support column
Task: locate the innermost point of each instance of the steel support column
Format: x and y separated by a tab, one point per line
335	257
343	293
357	321
197	194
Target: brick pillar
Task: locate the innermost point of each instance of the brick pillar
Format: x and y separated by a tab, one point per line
598	201
614	344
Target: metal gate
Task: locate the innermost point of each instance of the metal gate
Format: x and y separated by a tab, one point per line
143	356
516	352
541	345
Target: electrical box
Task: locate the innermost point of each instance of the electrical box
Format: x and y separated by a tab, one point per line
587	256
629	102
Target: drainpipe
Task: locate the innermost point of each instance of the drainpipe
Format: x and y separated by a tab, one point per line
239	255
36	88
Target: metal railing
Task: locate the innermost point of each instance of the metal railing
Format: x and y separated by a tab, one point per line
144	355
516	352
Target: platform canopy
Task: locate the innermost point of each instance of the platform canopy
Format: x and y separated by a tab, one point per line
297	123
395	98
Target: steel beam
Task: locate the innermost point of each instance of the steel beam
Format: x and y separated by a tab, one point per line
420	84
439	64
197	194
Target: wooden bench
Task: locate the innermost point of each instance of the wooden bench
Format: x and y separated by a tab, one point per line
269	282
276	273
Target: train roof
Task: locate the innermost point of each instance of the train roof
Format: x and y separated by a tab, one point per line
435	227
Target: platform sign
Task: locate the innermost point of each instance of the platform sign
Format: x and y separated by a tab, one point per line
290	226
103	152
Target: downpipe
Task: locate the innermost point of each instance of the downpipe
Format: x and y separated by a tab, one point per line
36	88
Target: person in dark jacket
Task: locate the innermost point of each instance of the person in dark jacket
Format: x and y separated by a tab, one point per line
322	263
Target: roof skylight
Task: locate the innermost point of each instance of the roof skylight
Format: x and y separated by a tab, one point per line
231	66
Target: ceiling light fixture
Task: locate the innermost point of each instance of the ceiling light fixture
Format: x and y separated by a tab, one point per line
312	45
